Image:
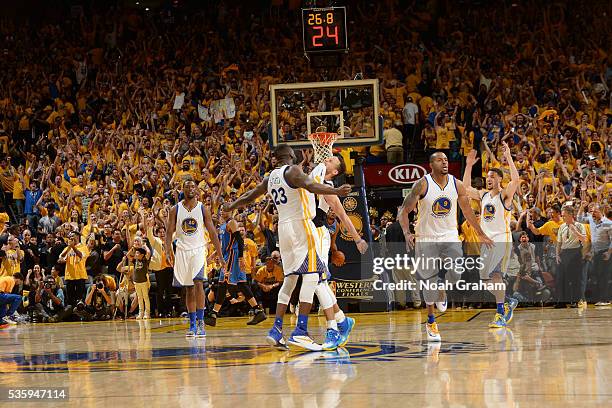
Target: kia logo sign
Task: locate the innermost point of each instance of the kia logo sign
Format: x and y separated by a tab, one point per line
406	173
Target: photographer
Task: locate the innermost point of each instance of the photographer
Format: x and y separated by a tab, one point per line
267	281
49	302
97	303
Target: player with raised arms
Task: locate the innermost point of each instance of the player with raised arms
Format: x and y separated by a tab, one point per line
298	241
437	235
188	219
495	213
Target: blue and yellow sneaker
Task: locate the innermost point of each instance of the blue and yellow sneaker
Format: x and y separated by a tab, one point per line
332	338
301	338
509	309
433	333
275	338
345	330
498	322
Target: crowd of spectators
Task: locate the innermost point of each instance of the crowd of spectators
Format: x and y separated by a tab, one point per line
104	112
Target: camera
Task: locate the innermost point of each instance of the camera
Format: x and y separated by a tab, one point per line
48	285
100	285
80	306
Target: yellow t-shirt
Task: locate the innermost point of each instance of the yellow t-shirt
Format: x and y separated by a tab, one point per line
470	239
250	254
10	263
550	229
548	166
443	139
75	266
18	193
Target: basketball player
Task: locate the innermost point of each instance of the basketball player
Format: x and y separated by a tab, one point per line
190	258
437	236
324	172
232	245
298	242
495	212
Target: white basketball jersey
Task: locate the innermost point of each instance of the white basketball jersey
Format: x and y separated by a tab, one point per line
437	216
189	227
318	175
495	218
291	203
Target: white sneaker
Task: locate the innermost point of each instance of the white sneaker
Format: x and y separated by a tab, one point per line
305	342
139	317
441	306
433	334
602	304
146	317
8	320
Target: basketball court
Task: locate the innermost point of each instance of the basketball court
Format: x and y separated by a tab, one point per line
548	358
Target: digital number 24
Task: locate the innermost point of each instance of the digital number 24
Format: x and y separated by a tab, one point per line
316	37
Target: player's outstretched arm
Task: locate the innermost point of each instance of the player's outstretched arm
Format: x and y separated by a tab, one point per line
212	233
297	178
170	229
515	180
335	204
467	175
249	196
464	202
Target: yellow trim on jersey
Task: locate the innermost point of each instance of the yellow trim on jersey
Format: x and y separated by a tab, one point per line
312	250
305	206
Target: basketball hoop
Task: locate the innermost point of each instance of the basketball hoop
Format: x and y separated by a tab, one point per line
322	143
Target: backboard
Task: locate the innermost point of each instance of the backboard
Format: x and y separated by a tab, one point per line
349	108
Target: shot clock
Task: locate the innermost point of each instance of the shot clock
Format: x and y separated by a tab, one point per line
324	29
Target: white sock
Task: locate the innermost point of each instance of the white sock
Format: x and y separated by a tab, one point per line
340	316
331	324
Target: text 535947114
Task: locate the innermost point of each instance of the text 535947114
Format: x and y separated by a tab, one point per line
29	394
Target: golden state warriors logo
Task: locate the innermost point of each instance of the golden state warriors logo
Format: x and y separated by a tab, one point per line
488	212
357	223
349	204
189	226
441	207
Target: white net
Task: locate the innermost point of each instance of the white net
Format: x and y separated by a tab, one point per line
322	144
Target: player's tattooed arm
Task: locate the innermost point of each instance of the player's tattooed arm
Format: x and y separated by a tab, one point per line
170	229
417	192
298	179
335	204
249	196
